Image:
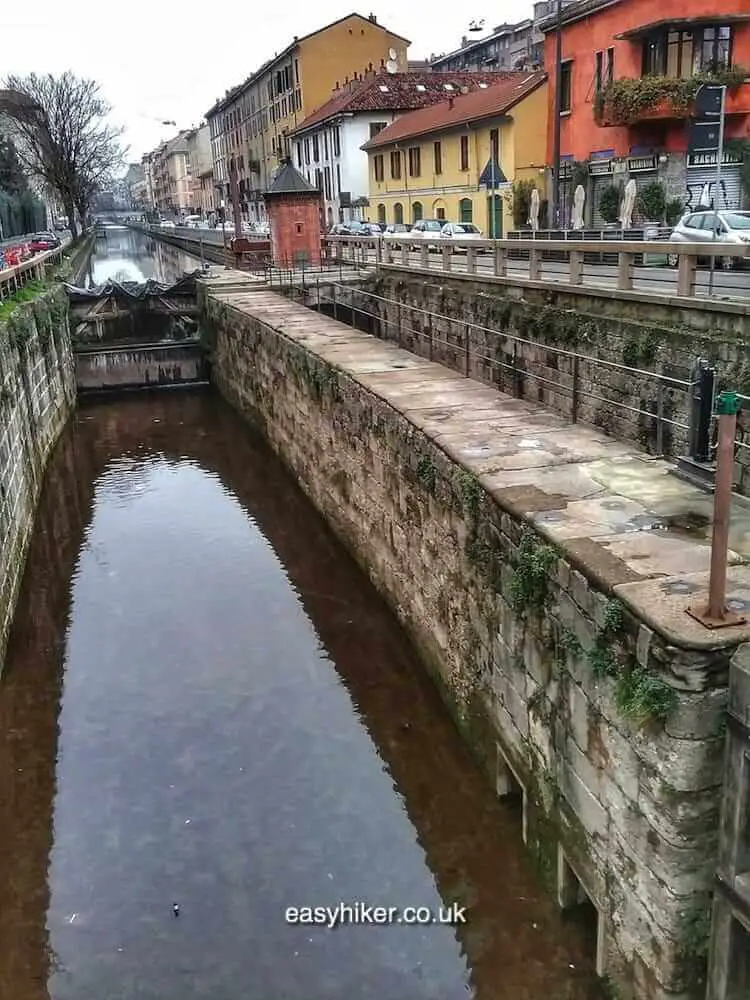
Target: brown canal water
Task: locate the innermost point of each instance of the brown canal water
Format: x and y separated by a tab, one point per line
205	703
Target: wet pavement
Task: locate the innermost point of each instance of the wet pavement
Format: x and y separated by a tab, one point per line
206	703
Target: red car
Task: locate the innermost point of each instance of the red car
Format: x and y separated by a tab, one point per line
43	241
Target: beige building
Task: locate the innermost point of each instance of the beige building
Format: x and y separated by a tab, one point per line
201	170
251	126
171	175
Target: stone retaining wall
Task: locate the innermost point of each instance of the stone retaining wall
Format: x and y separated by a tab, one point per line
37	393
640	335
560	692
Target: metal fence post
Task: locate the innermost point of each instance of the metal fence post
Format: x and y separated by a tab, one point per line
466	350
574	394
429	334
335	307
660	419
701	405
515	369
317	285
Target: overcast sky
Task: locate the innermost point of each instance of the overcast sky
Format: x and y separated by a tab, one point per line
157	59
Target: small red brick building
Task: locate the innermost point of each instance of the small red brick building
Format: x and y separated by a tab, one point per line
294	208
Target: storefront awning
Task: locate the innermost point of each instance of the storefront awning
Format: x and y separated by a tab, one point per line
682	24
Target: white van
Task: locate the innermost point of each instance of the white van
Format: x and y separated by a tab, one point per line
191	221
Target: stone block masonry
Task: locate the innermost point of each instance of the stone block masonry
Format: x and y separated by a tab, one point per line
554	628
37	393
520	338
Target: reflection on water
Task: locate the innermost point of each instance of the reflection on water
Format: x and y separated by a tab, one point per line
242	728
125	255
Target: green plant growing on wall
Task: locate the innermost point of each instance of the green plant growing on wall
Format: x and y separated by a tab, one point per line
642	697
641	351
651	201
602	657
609	203
471	493
673	210
529	586
427	474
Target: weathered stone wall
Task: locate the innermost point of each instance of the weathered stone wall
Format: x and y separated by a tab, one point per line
557	688
37	393
139	367
619	332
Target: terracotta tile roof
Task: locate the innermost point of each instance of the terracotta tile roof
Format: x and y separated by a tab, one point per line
398	92
492	102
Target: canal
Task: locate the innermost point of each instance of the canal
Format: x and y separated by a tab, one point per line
207	717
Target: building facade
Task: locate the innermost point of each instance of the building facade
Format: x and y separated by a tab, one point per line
251	126
625	97
171	176
455	161
200	170
328	144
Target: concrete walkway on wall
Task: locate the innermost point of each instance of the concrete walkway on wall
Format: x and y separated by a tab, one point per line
622	517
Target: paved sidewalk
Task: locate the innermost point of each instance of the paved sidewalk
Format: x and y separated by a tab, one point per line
623	518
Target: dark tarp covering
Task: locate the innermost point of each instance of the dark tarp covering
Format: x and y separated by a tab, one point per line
134	290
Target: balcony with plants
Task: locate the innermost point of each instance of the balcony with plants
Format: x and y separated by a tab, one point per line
676	59
650	98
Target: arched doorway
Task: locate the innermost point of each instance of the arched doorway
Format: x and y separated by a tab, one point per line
398	212
381	214
416	211
438	209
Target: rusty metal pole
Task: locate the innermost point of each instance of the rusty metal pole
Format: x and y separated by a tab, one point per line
716	615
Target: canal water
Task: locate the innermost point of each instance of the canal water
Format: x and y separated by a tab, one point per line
208	717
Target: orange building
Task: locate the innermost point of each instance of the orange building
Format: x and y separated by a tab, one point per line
629	71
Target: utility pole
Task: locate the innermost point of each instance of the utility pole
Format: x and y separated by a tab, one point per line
558	111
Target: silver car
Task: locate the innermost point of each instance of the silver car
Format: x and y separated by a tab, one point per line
464	231
698	227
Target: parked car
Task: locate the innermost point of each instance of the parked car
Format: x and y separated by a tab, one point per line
461	231
426	229
43	241
698	227
351	228
372	229
396	231
167	224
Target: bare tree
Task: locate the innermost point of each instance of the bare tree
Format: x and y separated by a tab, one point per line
60	131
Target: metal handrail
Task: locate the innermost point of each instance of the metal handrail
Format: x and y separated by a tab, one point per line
12	278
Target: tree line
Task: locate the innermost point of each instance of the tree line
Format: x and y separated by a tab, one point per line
55	129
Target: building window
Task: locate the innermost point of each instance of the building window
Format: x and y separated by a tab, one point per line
566	85
307	150
414	162
609	67
396	166
440	214
296	71
316	149
438	155
376	127
680	54
464	165
465	209
319	179
378	166
715	48
336	141
299	155
337	192
327	175
325	145
416	211
495	144
381	214
398	213
599	72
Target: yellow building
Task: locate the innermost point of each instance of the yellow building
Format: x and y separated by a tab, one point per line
251	126
436	163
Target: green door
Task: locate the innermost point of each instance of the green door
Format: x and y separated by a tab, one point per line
495	218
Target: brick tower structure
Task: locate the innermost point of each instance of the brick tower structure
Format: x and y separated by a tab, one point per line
293	207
